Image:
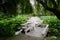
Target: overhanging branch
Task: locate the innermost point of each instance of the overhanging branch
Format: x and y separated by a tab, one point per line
46	6
54	10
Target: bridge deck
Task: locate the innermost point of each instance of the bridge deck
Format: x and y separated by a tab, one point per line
36	33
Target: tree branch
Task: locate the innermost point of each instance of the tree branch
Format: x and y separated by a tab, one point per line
54	10
46	6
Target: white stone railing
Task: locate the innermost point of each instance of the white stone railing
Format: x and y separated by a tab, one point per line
31	25
44	33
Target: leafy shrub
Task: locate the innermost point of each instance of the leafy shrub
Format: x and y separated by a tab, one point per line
54	25
57	38
8	26
47	19
54	28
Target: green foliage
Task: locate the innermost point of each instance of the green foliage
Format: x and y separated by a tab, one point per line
8	26
47	19
10	7
54	25
41	11
49	3
57	38
22	19
25	6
